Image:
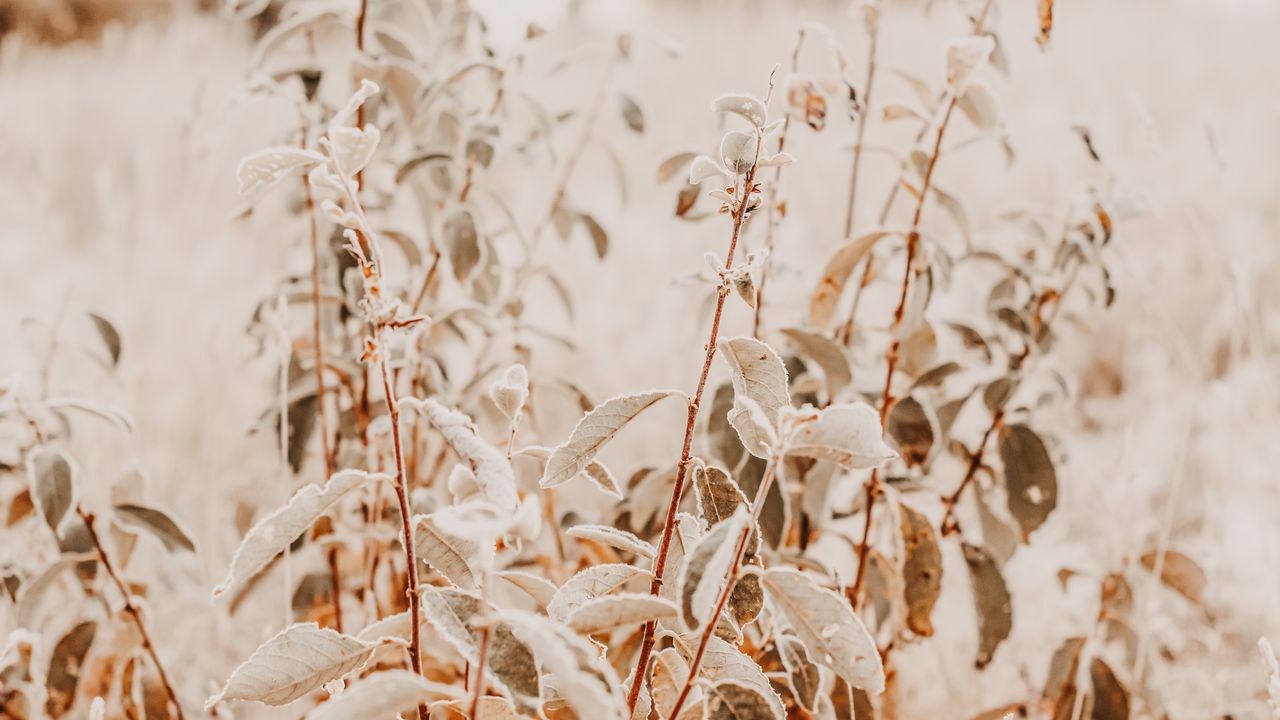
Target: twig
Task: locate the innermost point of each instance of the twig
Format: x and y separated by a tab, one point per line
872	486
731	579
873	34
478	690
743	196
411	577
130	608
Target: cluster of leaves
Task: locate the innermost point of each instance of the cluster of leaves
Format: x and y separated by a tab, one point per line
768	571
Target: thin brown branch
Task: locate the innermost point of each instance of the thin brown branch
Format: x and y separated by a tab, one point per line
130	608
402	497
862	129
682	467
731	579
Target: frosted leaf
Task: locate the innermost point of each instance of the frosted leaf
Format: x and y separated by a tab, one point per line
777	160
539	589
590	583
831	633
847	434
453	557
760	377
461	483
449	611
723	662
595	471
670	672
965	56
827	354
731	700
277	531
295	662
703	168
352	148
51	474
610	612
738	150
265	168
613	537
511	392
489	708
716	570
592	432
493	472
581	677
387	693
746	106
347	114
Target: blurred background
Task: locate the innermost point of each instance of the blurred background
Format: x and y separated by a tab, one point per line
121	123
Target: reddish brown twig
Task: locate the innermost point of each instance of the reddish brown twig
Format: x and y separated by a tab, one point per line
743	195
130	608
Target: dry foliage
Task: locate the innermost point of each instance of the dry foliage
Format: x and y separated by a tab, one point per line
456	526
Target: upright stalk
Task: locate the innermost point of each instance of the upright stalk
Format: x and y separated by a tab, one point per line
411	577
872	487
873	34
743	198
130	608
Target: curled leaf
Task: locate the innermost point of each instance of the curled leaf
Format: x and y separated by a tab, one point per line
759	379
847	434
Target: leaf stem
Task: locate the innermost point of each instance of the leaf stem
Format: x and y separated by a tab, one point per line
130	608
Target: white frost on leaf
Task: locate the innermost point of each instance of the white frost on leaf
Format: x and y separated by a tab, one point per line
493	473
831	633
613	537
387	693
592	432
265	168
295	662
746	106
759	378
848	434
610	612
591	583
271	535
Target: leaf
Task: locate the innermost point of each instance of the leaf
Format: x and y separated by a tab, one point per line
991	599
296	661
66	666
610	612
1180	573
158	524
539	589
823	351
581	677
511	392
599	238
723	662
979	105
110	336
738	151
1110	698
277	531
632	114
686	199
735	701
1030	479
489	708
670	673
387	693
461	243
922	569
452	556
674	164
1060	685
707	567
492	470
717	495
847	434
592	432
449	611
830	287
758	377
52	477
914	430
265	168
510	662
831	633
745	106
588	584
964	57
613	537
802	674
